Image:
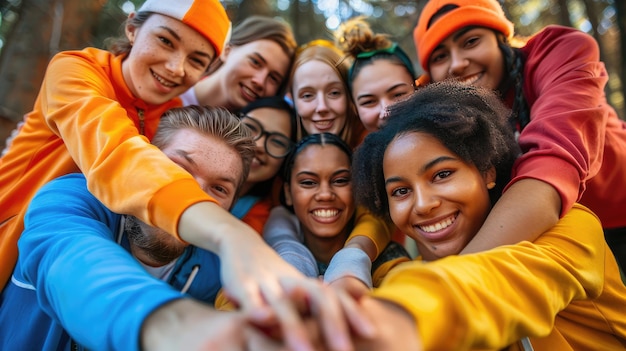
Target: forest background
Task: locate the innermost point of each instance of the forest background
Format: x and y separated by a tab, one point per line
32	31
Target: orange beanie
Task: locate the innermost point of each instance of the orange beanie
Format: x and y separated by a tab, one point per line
481	13
208	17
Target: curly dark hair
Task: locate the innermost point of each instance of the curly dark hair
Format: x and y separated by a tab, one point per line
469	121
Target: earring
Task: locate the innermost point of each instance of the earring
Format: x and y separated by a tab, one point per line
491	185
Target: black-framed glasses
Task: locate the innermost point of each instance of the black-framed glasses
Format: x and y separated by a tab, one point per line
276	145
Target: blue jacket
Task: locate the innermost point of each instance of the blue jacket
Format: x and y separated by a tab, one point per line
73	277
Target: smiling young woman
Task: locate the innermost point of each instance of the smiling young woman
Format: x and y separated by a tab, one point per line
255	64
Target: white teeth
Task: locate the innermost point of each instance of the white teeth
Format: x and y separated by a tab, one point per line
324	123
437	226
163	81
249	92
470	80
325	213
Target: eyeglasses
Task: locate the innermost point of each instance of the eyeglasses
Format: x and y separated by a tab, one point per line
276	145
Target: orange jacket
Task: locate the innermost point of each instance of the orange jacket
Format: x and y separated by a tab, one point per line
85	119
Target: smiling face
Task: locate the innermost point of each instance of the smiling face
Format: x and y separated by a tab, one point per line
167	57
470	55
320	191
263	165
252	70
376	86
434	196
320	98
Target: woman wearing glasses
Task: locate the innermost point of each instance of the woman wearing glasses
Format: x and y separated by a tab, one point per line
272	121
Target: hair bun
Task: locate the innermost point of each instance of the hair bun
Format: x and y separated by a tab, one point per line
356	36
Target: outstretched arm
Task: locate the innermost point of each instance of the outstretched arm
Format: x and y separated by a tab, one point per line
281	233
351	267
186	324
255	277
492	289
526	210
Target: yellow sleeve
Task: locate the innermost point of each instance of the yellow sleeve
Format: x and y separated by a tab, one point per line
223	303
393	254
501	295
372	227
381	272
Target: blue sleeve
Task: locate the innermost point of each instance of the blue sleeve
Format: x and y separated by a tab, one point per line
83	279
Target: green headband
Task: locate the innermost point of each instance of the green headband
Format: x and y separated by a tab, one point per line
394	50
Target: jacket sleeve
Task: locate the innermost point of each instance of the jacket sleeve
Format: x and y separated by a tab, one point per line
564	82
282	233
83	279
502	294
366	224
123	169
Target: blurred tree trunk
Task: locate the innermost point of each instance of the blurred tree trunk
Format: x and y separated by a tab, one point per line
44	28
251	7
620	9
308	25
594	15
564	15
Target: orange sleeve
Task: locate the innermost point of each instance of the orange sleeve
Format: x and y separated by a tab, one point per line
81	104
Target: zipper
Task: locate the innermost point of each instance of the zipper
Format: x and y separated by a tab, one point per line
142	122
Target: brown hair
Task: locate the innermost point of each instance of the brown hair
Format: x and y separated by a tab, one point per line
356	36
120	44
258	27
214	121
357	40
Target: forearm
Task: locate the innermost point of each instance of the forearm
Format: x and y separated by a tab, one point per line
526	210
281	233
363	243
370	234
255	277
395	327
186	324
209	226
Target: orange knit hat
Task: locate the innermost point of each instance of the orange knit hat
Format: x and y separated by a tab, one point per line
208	17
482	13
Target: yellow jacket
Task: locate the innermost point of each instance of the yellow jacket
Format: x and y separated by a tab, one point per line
85	119
564	291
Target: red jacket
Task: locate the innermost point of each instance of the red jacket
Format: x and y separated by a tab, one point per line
574	140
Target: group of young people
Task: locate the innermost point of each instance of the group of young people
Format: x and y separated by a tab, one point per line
187	189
